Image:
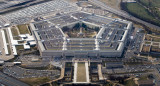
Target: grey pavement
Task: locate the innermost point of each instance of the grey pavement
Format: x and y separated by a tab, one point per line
9	81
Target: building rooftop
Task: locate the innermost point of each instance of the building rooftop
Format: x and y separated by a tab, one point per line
110	36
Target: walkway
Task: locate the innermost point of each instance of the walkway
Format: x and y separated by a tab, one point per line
100	72
81	72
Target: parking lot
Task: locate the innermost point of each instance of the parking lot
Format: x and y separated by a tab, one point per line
19	72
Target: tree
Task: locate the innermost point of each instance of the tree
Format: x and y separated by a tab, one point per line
65	29
84	25
77	26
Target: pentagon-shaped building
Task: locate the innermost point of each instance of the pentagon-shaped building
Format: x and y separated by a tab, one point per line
81	34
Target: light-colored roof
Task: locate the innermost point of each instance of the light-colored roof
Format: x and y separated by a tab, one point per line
32	43
4	42
26	46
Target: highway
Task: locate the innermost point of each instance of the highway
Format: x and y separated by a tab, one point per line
123	14
8	81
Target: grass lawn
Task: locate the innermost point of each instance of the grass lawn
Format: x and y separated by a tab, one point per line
23	29
81	72
147	42
35	81
143	78
18	48
141	12
14	31
151	3
130	82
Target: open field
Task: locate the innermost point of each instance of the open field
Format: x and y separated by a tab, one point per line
152	5
138	10
23	29
141	12
35	81
81	72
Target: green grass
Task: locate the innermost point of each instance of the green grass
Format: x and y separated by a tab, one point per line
14	31
141	12
137	9
151	3
23	29
147	42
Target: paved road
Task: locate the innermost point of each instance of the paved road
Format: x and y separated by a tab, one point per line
8	81
123	14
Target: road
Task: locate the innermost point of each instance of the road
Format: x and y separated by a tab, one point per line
123	14
8	81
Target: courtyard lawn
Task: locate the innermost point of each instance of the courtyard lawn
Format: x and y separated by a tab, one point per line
81	72
23	29
14	31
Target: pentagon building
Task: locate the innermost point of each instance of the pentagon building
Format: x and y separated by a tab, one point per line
97	35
